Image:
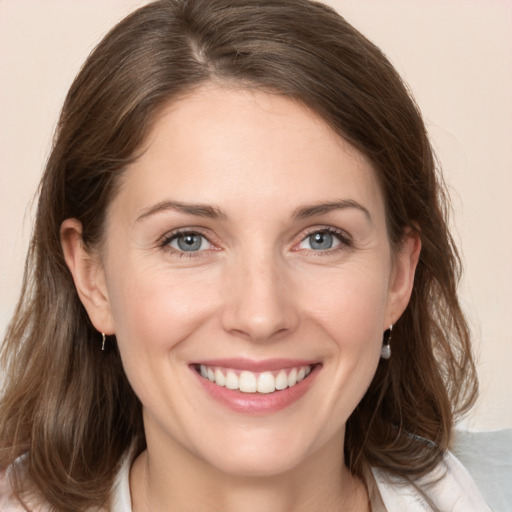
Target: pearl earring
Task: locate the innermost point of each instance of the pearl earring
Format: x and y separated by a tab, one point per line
385	351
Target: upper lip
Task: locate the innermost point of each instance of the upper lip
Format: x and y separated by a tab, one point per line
251	365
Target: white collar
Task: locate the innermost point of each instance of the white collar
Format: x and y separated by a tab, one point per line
448	486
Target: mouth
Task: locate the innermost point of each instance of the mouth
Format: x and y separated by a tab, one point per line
262	382
256	387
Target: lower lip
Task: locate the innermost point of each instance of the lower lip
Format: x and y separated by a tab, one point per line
258	403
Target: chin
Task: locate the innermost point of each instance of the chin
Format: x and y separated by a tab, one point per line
258	467
259	458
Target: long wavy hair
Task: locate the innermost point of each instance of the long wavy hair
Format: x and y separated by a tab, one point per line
66	406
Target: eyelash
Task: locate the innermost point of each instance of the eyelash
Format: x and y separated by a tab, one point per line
167	239
343	237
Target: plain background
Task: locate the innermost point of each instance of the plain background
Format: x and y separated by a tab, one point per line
456	55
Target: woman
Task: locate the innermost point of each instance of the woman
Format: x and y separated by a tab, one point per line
241	289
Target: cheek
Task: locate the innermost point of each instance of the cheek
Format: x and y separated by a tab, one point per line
350	303
155	309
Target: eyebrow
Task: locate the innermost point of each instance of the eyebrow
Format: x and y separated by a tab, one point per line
199	210
305	212
214	212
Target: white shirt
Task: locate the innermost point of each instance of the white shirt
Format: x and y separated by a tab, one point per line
452	490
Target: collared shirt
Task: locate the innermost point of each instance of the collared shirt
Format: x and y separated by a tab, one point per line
448	487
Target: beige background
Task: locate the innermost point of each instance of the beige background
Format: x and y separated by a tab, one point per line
455	54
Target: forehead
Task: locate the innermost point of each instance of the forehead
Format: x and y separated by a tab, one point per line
246	147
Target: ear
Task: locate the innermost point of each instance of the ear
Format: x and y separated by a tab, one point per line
402	275
88	276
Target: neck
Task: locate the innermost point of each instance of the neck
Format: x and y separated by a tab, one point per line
183	483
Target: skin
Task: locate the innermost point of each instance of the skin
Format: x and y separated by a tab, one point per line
257	288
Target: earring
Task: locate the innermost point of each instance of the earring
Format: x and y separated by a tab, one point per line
103	338
385	351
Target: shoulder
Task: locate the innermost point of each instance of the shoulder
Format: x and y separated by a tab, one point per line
8	502
449	487
120	500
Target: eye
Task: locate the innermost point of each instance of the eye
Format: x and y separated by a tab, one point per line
188	242
322	240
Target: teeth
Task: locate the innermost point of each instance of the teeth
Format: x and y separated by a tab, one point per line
281	380
220	380
249	382
292	378
231	380
266	383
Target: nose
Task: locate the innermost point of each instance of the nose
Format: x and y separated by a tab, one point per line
259	303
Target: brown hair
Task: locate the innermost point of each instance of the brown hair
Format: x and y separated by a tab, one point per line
68	407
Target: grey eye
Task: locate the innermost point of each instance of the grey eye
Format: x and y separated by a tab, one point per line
320	241
189	242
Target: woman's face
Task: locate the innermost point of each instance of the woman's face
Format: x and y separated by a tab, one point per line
247	247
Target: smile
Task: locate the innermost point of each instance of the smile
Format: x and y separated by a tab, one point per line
255	382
